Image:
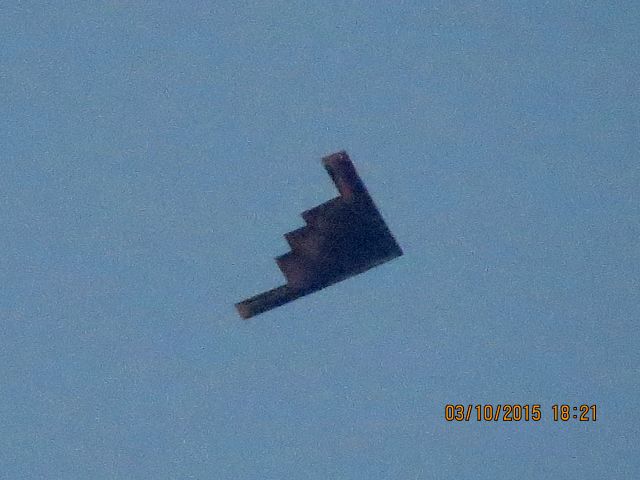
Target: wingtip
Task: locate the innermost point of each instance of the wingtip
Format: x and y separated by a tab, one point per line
340	156
244	311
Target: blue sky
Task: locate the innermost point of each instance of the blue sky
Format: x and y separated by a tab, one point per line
155	152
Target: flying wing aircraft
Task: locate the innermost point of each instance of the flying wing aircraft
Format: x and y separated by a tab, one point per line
342	237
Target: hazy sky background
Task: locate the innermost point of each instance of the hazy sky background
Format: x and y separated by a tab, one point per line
153	154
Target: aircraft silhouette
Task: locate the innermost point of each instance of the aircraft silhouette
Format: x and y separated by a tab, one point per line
342	237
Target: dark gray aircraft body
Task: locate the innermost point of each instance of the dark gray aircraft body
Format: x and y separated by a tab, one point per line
342	238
